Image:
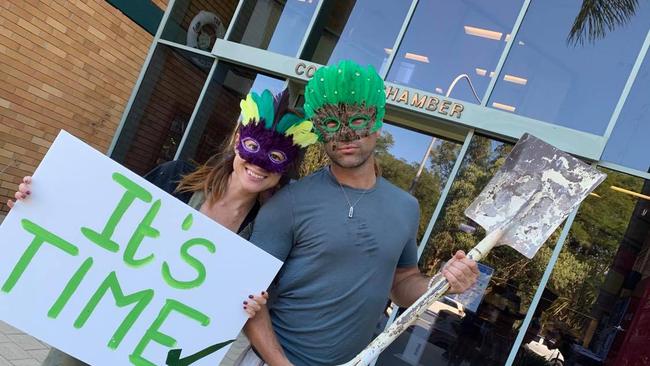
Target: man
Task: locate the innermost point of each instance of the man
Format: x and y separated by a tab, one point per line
347	236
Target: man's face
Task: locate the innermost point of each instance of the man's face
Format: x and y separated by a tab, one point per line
344	122
346	133
352	153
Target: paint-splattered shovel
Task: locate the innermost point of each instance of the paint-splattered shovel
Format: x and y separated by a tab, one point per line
526	200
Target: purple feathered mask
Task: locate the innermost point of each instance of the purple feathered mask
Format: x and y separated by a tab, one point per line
270	136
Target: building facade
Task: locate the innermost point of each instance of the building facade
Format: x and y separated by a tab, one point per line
464	80
63	64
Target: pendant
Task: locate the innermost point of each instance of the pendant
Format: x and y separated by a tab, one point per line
351	212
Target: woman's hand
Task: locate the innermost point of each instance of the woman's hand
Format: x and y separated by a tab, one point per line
24	190
254	303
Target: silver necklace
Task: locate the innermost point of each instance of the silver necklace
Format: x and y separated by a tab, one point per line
351	210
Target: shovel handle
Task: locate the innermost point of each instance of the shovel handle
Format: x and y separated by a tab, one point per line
439	286
484	246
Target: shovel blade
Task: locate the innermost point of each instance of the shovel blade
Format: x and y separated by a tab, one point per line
532	193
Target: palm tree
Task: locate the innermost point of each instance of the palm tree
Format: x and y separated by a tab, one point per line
597	17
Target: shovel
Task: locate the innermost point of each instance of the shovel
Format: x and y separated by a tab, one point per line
526	200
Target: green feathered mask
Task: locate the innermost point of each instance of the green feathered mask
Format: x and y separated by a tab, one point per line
345	97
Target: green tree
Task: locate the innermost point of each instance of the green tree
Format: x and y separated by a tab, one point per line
468	183
589	250
401	173
443	158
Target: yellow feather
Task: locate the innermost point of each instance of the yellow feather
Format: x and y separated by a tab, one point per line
249	110
301	133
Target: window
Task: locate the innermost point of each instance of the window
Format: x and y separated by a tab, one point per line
198	23
275	25
593	293
484	334
219	111
627	146
359	30
449	38
576	85
162	109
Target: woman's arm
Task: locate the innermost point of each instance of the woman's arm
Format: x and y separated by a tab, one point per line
262	337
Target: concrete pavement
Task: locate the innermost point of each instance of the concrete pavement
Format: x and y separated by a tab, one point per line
20	349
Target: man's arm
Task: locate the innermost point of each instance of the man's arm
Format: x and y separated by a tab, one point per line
409	284
261	335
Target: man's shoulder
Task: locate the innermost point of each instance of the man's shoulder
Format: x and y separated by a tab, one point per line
307	185
397	194
309	182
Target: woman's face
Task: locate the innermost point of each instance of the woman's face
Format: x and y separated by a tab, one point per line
253	178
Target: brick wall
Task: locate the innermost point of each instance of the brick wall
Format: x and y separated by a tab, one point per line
64	64
160	3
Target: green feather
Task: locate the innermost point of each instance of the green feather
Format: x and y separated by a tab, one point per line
265	107
287	121
346	83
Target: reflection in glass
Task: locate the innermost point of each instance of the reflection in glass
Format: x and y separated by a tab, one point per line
161	109
448	38
627	144
361	30
198	23
592	297
219	110
449	333
278	26
399	152
573	85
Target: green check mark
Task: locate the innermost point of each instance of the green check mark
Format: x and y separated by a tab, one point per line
174	355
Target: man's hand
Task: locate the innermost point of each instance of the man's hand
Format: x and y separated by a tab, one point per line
461	272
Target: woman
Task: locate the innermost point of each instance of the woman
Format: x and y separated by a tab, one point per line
229	187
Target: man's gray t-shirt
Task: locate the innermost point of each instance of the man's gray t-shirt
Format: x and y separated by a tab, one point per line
338	271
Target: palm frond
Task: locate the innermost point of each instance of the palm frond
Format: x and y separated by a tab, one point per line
597	17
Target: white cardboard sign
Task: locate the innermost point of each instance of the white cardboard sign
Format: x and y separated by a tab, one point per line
105	266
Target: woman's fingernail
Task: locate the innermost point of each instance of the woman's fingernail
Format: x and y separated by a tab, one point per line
244	307
263	292
29	192
245	302
250	296
24	195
